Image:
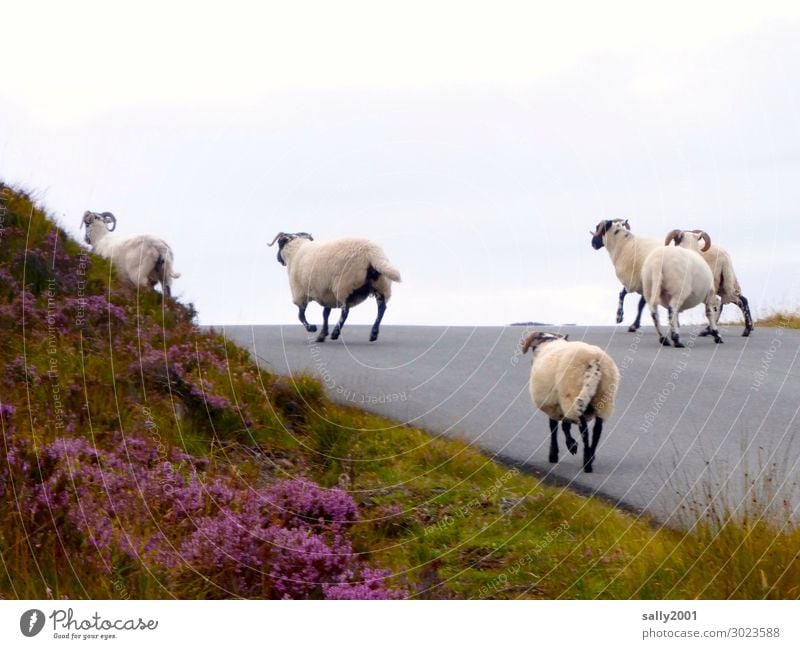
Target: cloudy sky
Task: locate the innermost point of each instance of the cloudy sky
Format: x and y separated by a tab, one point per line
477	142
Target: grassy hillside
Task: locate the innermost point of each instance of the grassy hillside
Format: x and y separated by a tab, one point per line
142	457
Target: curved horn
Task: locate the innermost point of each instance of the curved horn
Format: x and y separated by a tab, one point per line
704	236
674	235
528	342
277	236
108	217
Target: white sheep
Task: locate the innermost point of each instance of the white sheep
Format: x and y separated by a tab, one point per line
337	274
678	278
726	284
143	260
572	382
627	252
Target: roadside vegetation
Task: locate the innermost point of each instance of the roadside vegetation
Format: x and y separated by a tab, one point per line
783	319
143	457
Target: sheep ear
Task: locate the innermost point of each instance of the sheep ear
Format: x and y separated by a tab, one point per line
625	223
566	336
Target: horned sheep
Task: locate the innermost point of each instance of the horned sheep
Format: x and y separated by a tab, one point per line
337	274
726	284
572	382
144	260
627	252
678	278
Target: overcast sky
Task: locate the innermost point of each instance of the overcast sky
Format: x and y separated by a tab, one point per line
476	142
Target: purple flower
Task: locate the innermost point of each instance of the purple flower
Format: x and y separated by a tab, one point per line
7	411
301	502
371	585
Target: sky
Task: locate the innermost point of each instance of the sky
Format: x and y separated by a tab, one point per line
477	143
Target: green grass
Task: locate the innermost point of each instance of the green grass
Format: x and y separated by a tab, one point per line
447	520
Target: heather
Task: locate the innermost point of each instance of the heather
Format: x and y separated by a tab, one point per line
119	421
200	529
144	457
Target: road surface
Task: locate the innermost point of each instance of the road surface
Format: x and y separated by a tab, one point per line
688	422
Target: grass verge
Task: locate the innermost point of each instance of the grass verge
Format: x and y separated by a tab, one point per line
87	359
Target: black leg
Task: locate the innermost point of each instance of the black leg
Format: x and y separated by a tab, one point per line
342	318
326	312
553	441
744	305
638	322
598	430
620	312
674	328
381	310
661	337
707	330
572	445
587	448
712	314
301	314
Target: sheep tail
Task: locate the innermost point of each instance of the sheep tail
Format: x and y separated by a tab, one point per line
382	265
653	291
591	379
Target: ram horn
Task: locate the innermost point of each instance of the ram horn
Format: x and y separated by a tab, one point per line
528	342
674	235
277	236
108	217
704	236
536	338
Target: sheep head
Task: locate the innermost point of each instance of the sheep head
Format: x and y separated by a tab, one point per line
89	220
689	239
605	227
702	234
283	238
536	338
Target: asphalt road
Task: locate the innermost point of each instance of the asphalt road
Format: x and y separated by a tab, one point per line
708	419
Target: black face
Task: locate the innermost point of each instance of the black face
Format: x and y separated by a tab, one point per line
88	219
286	238
599	232
281	243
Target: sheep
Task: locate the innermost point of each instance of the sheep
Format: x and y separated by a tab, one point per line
678	278
338	274
627	252
726	285
571	382
143	260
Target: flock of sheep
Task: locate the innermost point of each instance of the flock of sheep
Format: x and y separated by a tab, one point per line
572	382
